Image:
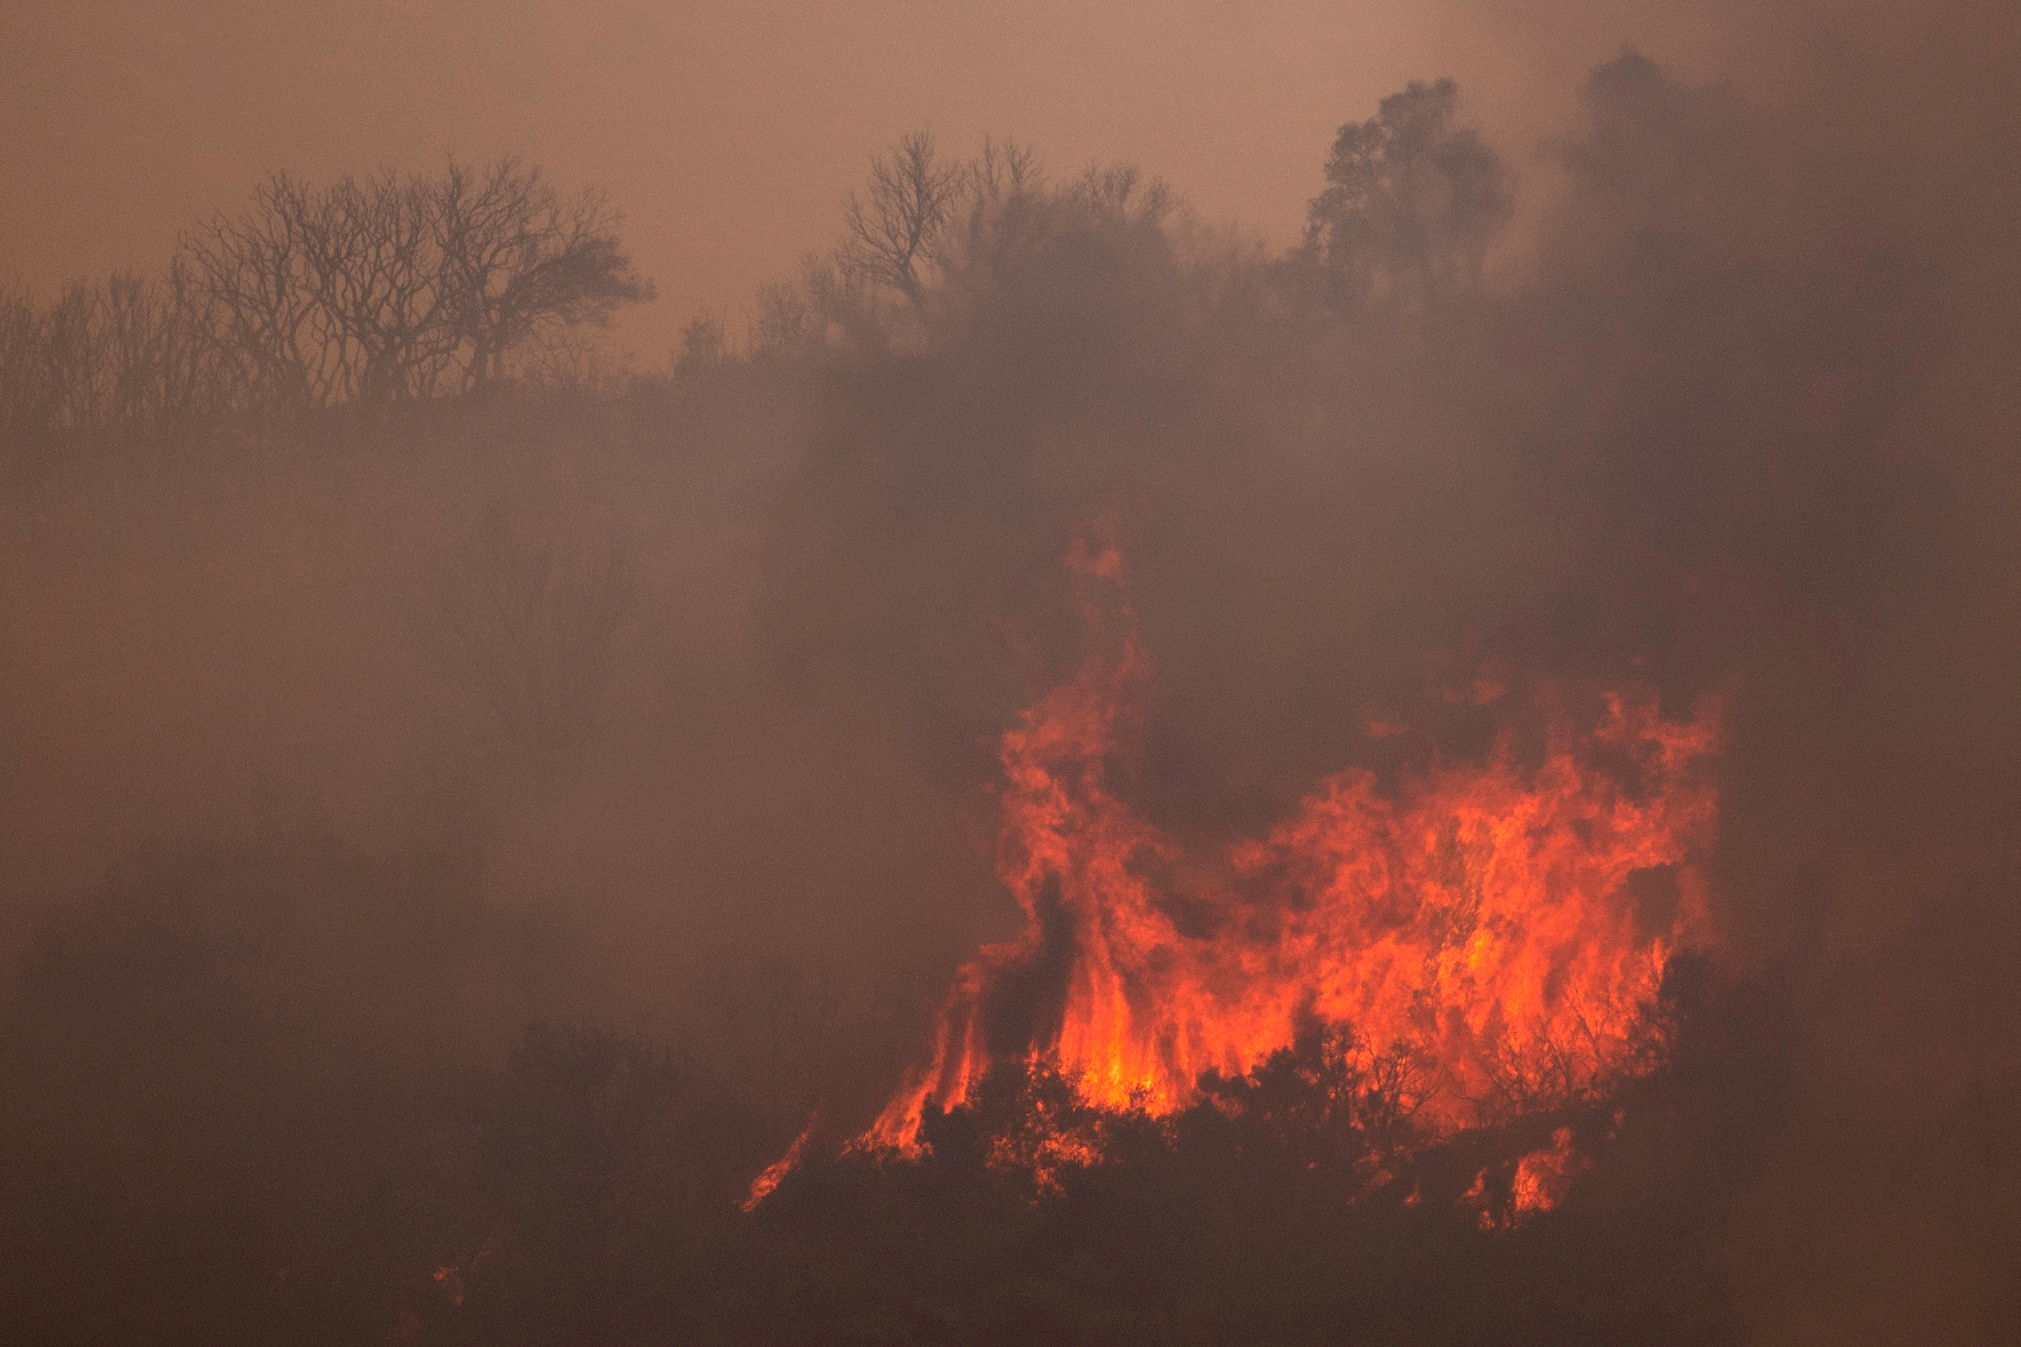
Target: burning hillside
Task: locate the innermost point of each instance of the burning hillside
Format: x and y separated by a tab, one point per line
1493	937
1516	841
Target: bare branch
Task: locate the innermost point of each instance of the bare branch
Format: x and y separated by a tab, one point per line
890	228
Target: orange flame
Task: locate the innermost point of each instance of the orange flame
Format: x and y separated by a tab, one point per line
762	1186
1484	921
1544	1176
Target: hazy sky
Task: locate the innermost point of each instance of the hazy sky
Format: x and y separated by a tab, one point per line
729	132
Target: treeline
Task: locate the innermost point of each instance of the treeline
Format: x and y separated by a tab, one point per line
388	288
401	287
930	243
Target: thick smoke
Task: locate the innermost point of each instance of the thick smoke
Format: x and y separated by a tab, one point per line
334	755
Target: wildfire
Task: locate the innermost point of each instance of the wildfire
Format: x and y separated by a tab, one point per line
762	1186
1483	922
1543	1176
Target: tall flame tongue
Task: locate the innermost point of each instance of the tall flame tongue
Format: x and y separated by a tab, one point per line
1485	922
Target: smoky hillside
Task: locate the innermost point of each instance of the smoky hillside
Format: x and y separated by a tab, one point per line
464	804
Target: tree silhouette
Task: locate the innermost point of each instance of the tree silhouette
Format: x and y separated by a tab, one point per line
401	287
890	229
1414	202
517	259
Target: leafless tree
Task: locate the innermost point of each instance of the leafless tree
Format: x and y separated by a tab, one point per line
399	287
21	383
76	349
256	268
379	282
1000	207
163	364
1003	170
1120	192
125	350
517	260
890	228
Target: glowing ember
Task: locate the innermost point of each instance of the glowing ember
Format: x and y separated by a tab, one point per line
450	1279
1484	921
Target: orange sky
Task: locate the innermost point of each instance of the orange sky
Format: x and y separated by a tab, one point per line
729	132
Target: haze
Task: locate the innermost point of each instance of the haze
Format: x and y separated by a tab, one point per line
432	746
729	133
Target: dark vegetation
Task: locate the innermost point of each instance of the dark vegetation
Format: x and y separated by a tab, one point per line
1290	1205
650	711
356	292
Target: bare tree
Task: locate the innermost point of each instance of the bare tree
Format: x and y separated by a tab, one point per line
1000	207
123	351
519	261
890	228
378	279
1003	170
165	365
394	287
22	391
1120	193
255	267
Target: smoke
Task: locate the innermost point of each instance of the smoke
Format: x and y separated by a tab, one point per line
1737	419
1730	407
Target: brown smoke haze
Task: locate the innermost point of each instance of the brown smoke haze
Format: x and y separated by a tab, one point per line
656	689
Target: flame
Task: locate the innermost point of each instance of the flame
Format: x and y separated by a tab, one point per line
1481	922
1544	1176
762	1186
